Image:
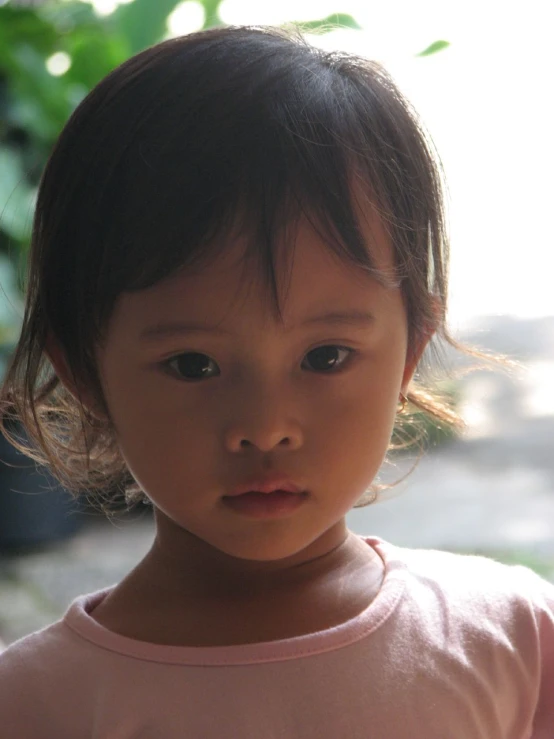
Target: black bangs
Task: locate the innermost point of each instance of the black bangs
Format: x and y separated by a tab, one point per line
178	147
262	156
234	129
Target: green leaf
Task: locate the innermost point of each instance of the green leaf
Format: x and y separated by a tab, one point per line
11	304
211	8
94	53
143	22
434	48
330	23
36	90
22	24
67	16
17	198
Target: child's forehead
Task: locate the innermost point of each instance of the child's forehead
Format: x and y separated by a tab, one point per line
309	278
300	252
302	246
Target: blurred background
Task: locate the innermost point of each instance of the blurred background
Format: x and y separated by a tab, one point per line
479	73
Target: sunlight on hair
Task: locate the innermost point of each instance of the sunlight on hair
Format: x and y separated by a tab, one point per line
58	63
187	17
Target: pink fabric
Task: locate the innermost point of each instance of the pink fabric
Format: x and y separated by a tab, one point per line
453	646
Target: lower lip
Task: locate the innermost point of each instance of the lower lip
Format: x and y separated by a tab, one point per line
265	505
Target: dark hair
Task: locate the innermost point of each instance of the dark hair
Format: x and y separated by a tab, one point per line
232	128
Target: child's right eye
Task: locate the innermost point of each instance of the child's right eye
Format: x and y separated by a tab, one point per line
193	366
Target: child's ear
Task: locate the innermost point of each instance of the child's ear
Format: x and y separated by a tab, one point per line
423	336
414	354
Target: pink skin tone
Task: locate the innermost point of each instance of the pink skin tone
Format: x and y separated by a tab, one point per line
263	411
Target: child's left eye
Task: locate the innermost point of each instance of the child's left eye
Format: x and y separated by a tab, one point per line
193	366
327	358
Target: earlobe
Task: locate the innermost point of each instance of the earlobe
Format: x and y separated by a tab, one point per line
421	338
413	358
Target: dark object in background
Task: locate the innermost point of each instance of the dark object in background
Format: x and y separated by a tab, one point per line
34	509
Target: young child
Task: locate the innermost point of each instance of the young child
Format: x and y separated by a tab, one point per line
238	260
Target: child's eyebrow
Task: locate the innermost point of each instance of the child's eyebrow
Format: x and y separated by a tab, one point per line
344	318
172	329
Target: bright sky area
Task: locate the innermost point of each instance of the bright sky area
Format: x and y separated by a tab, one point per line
487	101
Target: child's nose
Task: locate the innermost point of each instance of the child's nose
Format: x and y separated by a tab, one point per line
265	422
264	442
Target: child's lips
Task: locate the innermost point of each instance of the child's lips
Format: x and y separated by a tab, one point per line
266	496
257	504
266	485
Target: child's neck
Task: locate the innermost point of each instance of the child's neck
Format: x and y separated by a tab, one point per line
180	597
201	570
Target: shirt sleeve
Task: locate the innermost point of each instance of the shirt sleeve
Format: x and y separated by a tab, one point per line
542	598
32	689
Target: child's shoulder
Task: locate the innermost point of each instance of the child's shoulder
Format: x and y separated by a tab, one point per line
43	684
21	656
57	644
471	580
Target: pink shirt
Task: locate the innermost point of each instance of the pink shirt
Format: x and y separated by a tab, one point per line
452	647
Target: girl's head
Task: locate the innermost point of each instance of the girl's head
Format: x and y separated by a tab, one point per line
241	180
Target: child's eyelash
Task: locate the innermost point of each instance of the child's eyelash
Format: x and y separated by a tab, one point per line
322	349
199	362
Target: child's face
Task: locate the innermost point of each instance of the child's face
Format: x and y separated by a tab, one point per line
262	406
